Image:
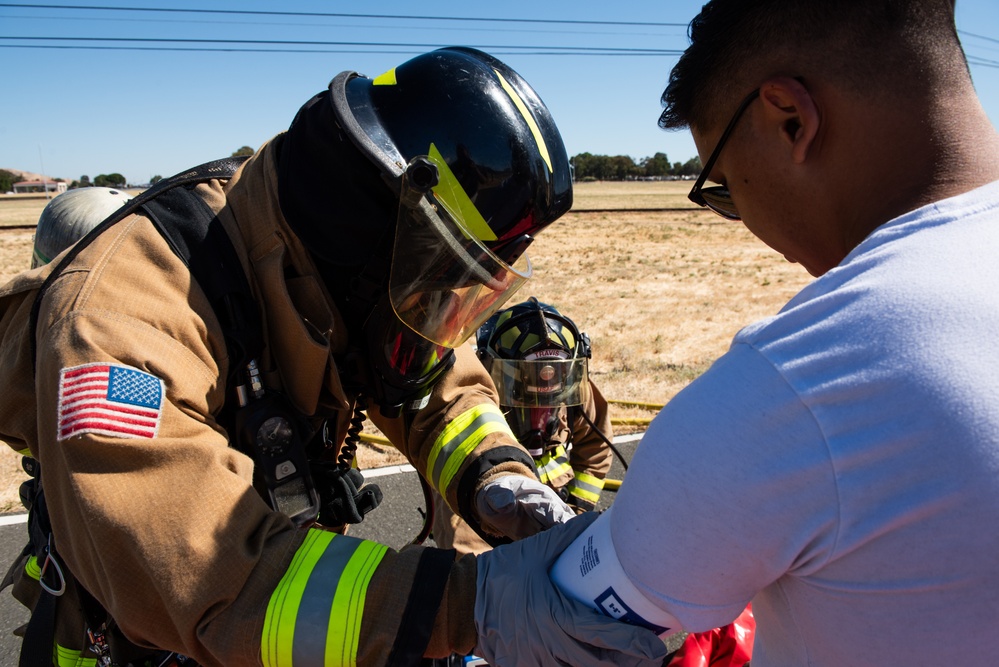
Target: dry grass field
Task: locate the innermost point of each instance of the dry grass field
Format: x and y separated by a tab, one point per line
660	293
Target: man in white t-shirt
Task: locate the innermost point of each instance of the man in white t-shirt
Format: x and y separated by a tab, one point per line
841	462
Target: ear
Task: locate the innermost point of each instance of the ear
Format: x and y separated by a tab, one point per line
790	108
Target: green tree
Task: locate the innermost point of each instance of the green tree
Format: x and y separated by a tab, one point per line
7	180
155	179
691	167
623	167
113	180
245	150
657	165
587	166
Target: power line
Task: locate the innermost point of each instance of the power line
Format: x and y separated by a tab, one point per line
976	60
971	34
595	50
406	17
496	52
313	24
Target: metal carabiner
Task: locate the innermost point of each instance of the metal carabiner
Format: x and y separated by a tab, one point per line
50	559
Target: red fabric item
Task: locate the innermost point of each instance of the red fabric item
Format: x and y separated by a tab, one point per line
728	646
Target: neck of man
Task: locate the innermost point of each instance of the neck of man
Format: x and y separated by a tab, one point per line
912	153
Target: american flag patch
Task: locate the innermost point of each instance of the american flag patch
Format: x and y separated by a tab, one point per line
109	399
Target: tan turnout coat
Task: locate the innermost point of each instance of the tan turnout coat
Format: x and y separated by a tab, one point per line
167	532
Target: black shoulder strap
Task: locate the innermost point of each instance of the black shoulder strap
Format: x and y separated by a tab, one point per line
196	235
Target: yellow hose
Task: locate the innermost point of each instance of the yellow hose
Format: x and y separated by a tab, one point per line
376	439
637	404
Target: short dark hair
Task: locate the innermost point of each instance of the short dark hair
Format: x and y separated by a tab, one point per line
864	44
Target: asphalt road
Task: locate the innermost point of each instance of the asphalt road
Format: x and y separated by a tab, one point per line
396	522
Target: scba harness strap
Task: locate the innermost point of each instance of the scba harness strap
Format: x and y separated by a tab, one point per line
197	237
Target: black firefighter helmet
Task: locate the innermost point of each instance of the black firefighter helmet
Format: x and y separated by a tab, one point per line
538	360
474	166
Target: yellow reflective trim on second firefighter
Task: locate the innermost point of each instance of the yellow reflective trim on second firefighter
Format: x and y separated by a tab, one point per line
522	108
587	487
314	615
462	435
67	657
553	464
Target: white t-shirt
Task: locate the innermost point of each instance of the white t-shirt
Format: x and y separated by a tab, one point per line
839	465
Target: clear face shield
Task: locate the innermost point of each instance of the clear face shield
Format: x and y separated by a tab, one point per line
445	282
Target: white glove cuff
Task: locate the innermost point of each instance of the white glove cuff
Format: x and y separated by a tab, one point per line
589	571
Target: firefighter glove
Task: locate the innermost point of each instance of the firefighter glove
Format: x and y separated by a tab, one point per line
521	618
342	496
516	506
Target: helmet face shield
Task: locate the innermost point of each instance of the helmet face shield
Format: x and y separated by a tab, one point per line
540	383
445	282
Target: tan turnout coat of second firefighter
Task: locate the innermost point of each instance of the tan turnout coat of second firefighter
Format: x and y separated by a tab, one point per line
166	531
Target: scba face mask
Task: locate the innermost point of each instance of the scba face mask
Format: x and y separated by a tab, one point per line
536	395
539	363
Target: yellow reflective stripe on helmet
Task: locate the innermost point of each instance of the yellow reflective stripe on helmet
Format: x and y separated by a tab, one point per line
32	569
67	657
325	584
553	464
386	79
459	438
522	108
586	487
456	201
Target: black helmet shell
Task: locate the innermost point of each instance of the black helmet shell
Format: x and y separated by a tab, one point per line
488	124
528	329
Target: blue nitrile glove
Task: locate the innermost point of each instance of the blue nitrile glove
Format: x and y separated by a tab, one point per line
517	507
522	619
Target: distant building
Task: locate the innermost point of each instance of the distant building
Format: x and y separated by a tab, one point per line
40	186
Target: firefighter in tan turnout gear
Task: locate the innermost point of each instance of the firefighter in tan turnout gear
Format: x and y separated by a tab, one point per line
538	360
190	439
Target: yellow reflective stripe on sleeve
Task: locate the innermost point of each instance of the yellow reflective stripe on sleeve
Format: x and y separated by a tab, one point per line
67	657
553	464
386	79
324	588
345	626
456	201
522	108
32	569
459	438
586	487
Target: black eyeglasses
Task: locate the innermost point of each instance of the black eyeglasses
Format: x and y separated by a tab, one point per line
717	197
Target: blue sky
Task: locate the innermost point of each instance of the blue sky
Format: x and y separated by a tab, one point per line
72	111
